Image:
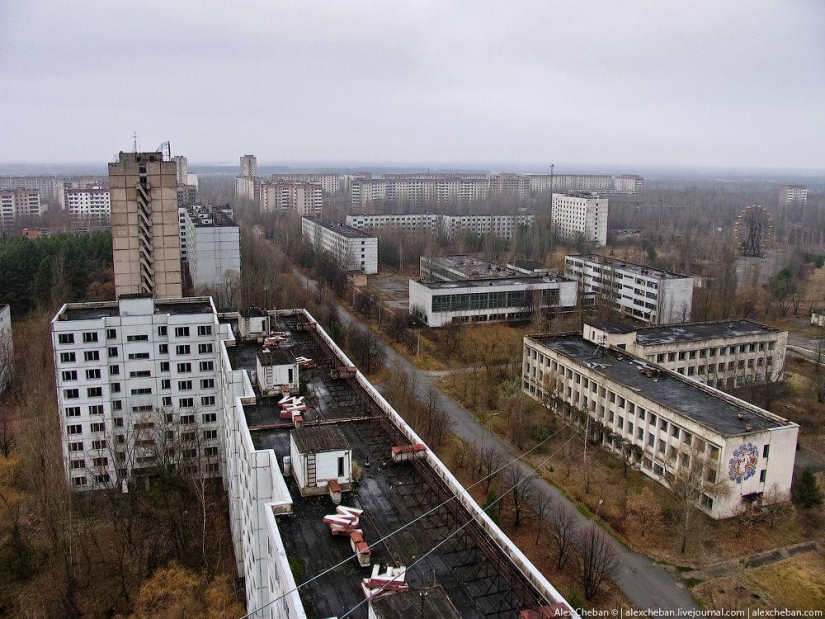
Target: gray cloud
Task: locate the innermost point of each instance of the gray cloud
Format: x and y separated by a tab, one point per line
733	83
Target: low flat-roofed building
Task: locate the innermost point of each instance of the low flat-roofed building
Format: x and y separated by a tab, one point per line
275	525
352	249
650	295
489	300
277	372
663	422
818	317
724	353
460	267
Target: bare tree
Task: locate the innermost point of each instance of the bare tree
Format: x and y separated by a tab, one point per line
542	504
562	526
597	559
489	464
521	492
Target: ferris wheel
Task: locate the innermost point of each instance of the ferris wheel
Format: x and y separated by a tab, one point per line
753	230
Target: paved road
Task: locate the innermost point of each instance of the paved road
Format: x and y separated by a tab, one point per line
646	584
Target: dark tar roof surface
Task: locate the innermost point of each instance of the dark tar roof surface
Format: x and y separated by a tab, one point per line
315	439
431	603
678	394
111	308
276	357
526	280
339	228
698	331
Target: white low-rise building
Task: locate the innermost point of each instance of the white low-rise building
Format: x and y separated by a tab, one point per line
351	248
211	245
664	423
460	267
6	347
650	295
818	317
277	372
724	354
489	300
580	215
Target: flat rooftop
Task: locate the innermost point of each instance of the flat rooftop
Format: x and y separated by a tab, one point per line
471	267
629	266
107	309
698	331
340	228
521	280
528	265
477	578
616	327
684	396
431	603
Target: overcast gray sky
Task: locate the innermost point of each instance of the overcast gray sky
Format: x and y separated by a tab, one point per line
627	83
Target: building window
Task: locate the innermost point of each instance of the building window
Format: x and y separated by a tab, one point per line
72	411
93	374
205	330
142	391
114	370
164	366
76	446
674	431
181	331
74	429
67	357
113	352
101	461
99	427
96	409
185	385
167	400
208	400
68	375
207	366
210	451
762	474
162	331
707	502
209	417
99	444
78	464
204	348
187	420
137	338
163	349
111	334
210	435
117	405
79	481
186	403
165	384
91	355
208	383
89	337
65	338
183	368
766	450
71	394
182	349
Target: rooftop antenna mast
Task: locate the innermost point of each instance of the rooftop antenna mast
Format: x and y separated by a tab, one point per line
134	141
552	165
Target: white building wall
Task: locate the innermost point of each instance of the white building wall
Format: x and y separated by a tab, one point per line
576	216
353	253
650	427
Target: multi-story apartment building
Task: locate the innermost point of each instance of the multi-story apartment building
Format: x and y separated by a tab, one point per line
249	166
330	183
650	295
793	194
664	423
489	300
724	354
502	226
6	347
416	191
212	244
414	223
183	169
352	249
19	204
88	203
187	195
303	198
248	188
145	234
274	524
580	215
127	373
48	186
509	184
79	182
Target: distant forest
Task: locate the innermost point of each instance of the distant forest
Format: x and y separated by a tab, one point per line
45	272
